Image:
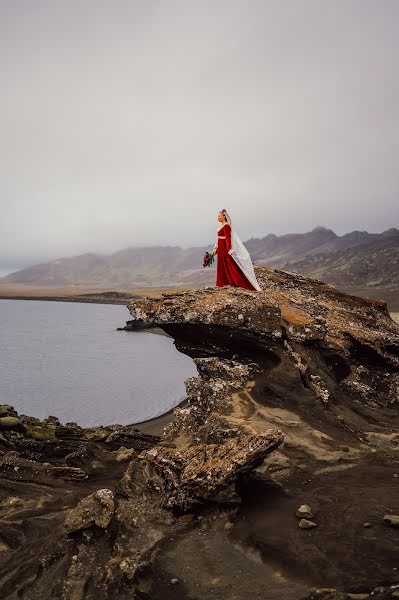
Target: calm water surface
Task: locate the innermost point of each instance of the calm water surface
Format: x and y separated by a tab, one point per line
67	359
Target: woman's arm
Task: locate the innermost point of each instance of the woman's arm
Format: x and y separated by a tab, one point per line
227	232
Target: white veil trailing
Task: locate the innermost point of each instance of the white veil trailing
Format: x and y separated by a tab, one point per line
241	255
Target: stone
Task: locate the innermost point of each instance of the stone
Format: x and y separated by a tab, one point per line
97	508
174	581
130	437
7	410
306	524
186	518
14	423
392	520
203	470
304	511
123	454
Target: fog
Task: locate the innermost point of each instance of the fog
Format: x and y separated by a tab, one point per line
133	123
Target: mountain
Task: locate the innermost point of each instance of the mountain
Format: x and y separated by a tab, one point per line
359	262
369	267
275	251
128	268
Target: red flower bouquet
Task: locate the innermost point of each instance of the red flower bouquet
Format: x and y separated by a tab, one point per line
208	259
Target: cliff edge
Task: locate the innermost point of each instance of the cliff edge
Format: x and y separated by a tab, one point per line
277	477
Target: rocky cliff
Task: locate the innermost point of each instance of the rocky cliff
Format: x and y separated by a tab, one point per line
277	478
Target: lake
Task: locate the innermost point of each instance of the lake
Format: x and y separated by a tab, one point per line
67	359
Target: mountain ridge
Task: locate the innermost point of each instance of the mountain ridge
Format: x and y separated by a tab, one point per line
353	261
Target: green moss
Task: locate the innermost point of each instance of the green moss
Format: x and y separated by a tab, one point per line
40	432
6	409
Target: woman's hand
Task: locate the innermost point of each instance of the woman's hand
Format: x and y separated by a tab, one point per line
215	249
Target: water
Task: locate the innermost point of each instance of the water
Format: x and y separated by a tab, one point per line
67	359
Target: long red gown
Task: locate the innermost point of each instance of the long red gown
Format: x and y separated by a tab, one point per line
228	272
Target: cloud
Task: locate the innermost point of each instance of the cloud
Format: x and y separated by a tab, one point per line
133	123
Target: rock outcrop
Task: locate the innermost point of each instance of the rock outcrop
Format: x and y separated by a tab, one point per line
295	405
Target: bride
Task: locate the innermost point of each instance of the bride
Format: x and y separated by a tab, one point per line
234	265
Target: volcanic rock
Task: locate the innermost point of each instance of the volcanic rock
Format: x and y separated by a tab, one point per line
200	472
97	508
298	382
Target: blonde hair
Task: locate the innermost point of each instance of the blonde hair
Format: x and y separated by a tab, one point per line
226	215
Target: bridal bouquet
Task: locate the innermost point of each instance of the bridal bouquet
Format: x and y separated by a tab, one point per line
208	259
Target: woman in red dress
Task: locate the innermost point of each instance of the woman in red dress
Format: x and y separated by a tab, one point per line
234	266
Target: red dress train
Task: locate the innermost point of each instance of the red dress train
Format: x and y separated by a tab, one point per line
228	272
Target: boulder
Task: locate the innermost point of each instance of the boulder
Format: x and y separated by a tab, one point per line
11	423
95	509
200	472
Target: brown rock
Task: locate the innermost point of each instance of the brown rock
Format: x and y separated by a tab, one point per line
304	511
201	471
392	520
306	524
98	509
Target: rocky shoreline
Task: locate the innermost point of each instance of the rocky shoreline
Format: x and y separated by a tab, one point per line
93	298
278	478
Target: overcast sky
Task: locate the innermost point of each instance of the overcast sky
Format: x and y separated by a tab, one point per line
130	122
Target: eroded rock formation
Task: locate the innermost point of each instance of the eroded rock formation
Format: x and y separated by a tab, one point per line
295	404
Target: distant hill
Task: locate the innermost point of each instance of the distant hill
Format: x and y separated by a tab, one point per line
276	251
369	267
362	262
126	269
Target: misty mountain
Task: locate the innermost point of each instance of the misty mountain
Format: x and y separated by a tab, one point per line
366	265
355	261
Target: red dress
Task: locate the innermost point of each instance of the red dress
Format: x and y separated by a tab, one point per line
228	272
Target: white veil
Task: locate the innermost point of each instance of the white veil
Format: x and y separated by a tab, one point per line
241	255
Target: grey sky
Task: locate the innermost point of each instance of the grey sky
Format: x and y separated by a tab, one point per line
132	123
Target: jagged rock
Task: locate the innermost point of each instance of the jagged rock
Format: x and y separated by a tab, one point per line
123	454
356	340
15	467
201	471
98	509
130	437
70	431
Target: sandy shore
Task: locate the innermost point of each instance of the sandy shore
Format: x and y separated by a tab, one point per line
156	426
80	294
